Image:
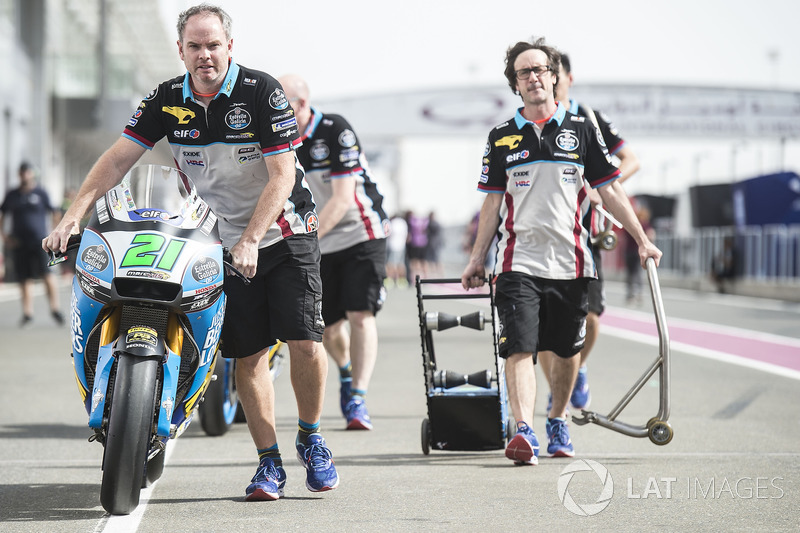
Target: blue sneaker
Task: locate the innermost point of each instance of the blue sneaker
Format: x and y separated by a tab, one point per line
559	444
317	458
356	414
268	483
581	397
523	449
345	394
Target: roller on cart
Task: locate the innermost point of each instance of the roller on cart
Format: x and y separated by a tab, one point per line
657	429
466	411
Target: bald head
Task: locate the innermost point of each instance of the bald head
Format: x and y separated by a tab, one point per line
294	86
297	93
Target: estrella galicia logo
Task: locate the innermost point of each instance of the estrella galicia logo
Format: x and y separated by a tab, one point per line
567	141
238	118
277	100
347	139
319	151
205	270
95	258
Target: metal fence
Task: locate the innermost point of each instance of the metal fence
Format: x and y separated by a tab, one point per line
763	253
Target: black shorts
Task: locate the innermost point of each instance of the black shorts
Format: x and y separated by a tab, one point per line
352	280
541	314
597	294
282	302
30	263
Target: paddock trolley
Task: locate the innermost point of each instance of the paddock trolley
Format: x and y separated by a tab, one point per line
657	429
466	412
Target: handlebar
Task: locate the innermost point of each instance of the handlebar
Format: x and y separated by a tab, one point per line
227	259
73	242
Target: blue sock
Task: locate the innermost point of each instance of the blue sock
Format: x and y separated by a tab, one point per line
272	452
304	429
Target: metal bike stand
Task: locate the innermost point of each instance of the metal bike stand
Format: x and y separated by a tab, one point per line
657	428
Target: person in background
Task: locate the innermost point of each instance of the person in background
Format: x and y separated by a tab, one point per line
417	246
433	249
232	131
628	166
723	266
633	274
535	170
396	252
28	206
352	239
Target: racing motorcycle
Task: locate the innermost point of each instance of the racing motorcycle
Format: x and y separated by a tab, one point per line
147	312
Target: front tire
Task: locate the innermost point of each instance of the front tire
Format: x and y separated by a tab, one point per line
129	427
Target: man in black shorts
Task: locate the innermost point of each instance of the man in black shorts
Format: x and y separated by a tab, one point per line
628	165
352	239
232	130
28	206
536	167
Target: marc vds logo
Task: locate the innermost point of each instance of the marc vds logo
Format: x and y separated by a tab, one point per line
601	480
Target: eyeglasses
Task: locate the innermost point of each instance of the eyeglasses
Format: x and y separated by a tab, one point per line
525	73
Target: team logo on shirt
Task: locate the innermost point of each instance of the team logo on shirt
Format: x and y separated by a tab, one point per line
569	176
277	100
487	150
600	138
151	95
181	113
311	221
516	156
286	124
512	141
237	118
347	138
319	151
567	140
349	155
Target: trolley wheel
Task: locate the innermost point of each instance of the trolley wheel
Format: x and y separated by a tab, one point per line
651	422
426	436
510	428
660	432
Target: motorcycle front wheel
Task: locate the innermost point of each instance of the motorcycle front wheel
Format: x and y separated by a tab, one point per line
129	426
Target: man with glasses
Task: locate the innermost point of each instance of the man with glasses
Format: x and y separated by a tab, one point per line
352	239
628	165
536	168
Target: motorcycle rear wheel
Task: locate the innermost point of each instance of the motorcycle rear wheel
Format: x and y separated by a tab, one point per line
129	428
220	401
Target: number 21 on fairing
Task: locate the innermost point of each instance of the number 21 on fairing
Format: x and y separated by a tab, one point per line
152	250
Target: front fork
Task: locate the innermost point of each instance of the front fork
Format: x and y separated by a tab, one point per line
112	341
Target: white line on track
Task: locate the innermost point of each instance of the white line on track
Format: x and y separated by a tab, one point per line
130	523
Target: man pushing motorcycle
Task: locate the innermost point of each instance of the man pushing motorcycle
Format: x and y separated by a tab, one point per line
232	130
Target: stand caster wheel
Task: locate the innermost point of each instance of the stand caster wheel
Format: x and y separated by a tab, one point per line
426	436
659	432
